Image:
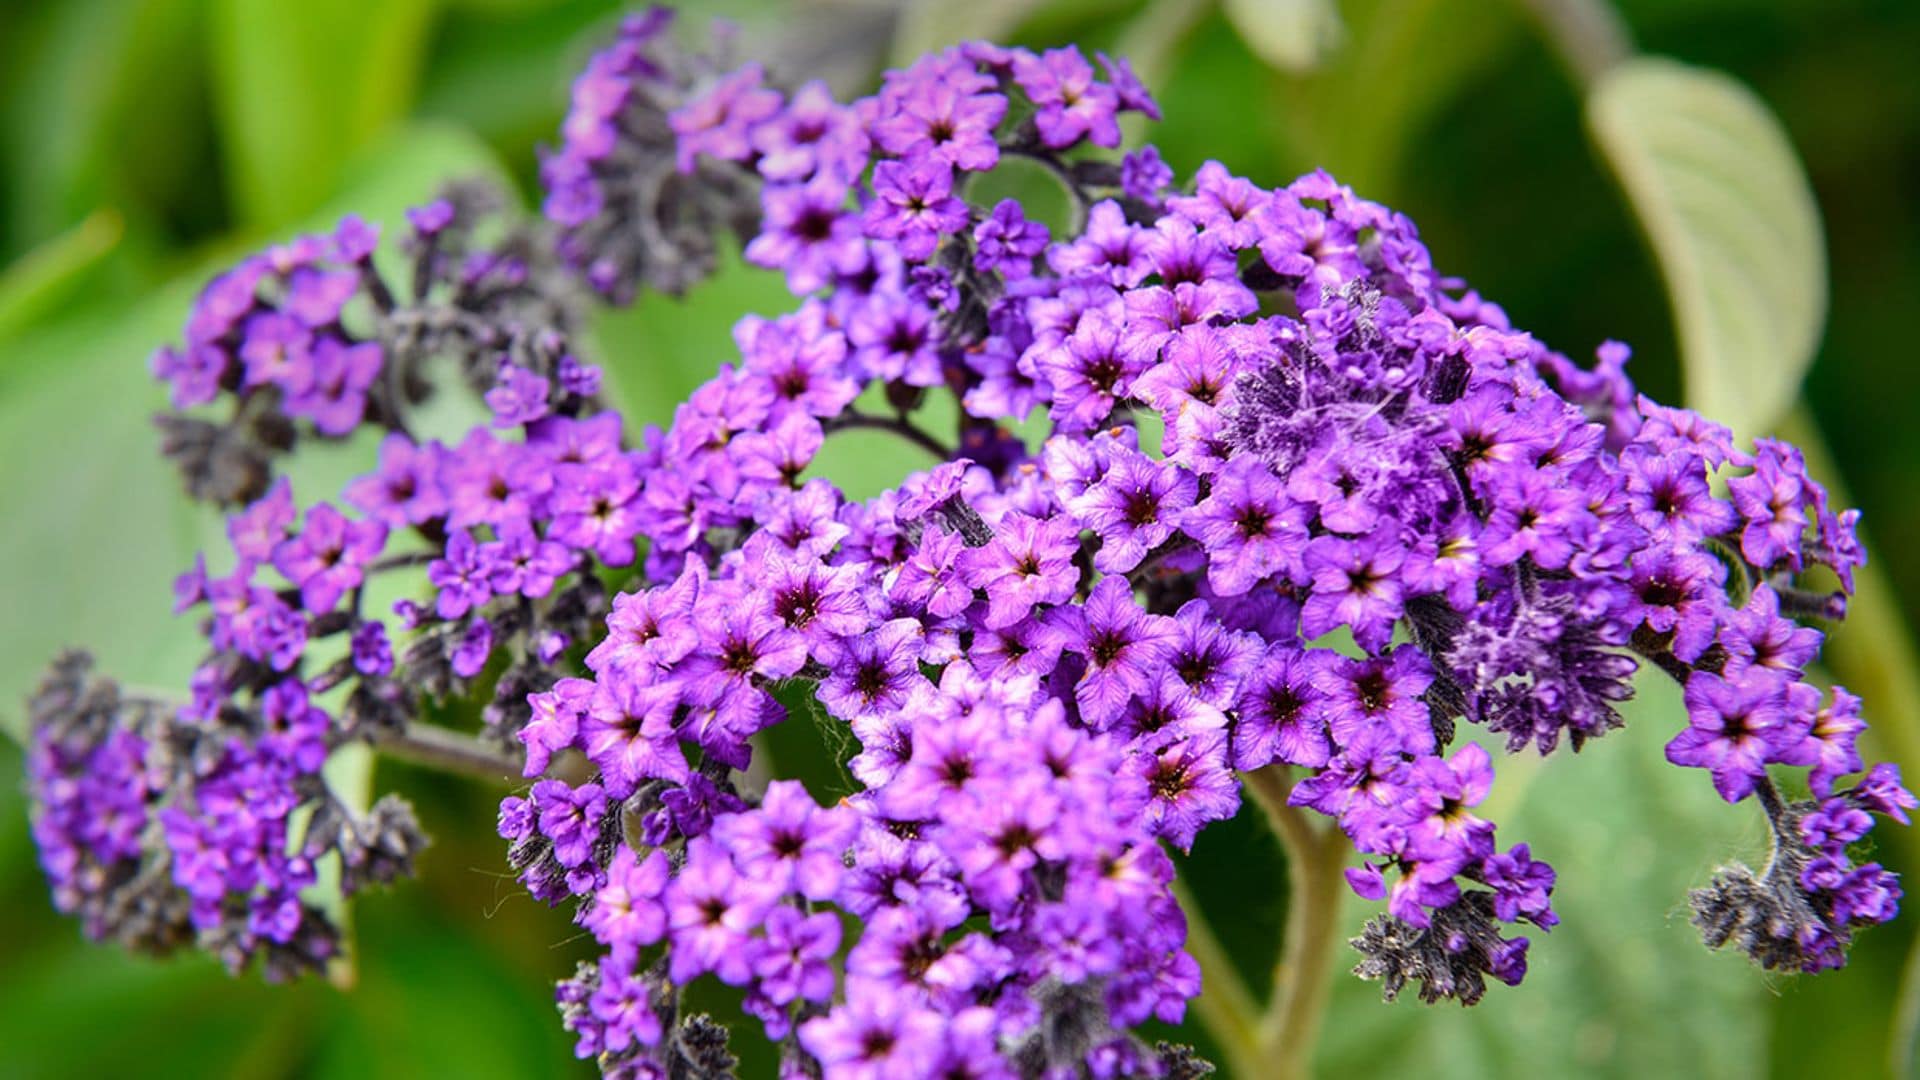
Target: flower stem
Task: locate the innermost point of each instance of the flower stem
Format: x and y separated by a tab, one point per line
899	426
1225	1007
448	751
1291	1024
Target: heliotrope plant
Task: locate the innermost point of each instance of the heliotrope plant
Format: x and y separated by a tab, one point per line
1245	499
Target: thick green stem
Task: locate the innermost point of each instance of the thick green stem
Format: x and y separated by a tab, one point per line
1291	1024
1224	1007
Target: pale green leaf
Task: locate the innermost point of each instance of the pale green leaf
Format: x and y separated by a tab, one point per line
1623	987
1727	209
1292	35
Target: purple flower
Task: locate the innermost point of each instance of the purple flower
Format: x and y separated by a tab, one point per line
518	397
1382	694
796	963
521	562
334	396
808	232
720	121
874	672
943	123
1070	104
790	843
469	657
1355	584
328	556
1134	507
1281	711
372	655
627	910
1522	887
1125	648
627	730
811	136
405	490
1028	562
1248	527
1143	175
913	206
1189	783
463	577
275	351
1006	241
1769	502
874	1036
711	910
1734	729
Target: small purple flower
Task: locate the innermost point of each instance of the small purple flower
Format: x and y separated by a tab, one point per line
874	672
1028	562
1734	729
1006	242
1134	508
1355	584
371	652
522	562
720	122
405	490
1125	648
1071	105
627	910
469	657
943	123
789	843
1248	526
711	910
913	206
1143	175
328	556
796	963
519	397
462	576
808	232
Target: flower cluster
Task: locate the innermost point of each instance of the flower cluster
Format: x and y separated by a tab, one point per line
311	337
1240	485
627	217
206	820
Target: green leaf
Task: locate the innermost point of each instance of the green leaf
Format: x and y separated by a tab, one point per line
39	280
103	96
1623	987
299	87
1292	35
1727	209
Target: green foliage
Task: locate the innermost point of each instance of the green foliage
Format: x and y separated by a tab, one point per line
1623	986
1727	208
297	83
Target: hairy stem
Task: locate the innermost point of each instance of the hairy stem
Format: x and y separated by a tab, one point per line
448	751
1225	1007
1291	1024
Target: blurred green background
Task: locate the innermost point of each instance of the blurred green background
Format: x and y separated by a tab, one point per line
144	141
